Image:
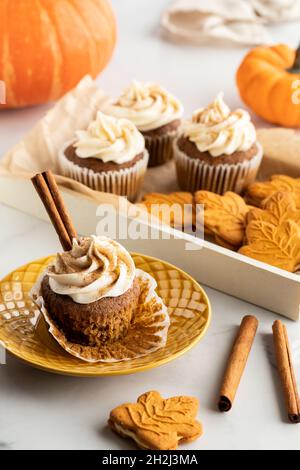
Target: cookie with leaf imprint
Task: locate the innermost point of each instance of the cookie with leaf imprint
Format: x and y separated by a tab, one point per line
156	423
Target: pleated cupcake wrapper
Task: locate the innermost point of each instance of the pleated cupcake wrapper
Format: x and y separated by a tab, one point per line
125	182
194	174
160	148
148	331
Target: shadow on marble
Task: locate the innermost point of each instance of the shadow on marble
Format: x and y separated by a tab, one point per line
5	445
34	382
114	441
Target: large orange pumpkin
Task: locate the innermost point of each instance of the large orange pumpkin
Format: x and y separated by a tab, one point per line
47	46
269	83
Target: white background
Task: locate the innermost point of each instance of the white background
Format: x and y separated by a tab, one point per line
43	411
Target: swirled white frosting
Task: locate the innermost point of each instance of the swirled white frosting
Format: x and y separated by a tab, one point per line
95	268
147	105
219	131
110	140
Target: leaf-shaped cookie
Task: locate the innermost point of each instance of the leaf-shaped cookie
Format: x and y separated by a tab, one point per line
273	234
175	209
156	423
224	216
259	191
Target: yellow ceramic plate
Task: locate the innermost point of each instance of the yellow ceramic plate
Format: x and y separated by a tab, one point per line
24	332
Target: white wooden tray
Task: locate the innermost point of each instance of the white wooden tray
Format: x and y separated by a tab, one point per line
212	265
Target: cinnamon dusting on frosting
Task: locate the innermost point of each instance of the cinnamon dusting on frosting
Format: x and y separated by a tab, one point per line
95	268
147	105
219	131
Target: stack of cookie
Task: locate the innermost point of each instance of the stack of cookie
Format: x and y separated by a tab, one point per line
224	217
264	225
273	229
156	423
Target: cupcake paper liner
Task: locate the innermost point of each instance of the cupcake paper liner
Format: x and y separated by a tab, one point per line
148	331
194	174
160	148
125	182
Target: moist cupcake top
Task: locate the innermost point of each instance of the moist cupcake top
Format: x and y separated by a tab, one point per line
110	140
95	268
148	106
220	131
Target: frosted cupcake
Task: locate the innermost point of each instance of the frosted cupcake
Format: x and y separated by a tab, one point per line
91	291
156	113
99	307
109	156
217	150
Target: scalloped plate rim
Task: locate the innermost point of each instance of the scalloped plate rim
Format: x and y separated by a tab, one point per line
132	370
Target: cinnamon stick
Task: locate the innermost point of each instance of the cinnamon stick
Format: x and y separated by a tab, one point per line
48	191
286	371
60	205
237	362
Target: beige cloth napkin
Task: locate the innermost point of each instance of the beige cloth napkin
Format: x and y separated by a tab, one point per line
277	10
38	150
234	21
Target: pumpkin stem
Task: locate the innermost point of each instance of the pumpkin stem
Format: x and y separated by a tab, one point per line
296	66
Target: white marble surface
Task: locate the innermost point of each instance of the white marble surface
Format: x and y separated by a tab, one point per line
43	411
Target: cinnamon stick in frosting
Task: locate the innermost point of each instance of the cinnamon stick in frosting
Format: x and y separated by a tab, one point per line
51	198
59	203
286	371
237	362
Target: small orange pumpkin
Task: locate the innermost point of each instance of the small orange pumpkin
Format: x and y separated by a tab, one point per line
269	83
47	46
